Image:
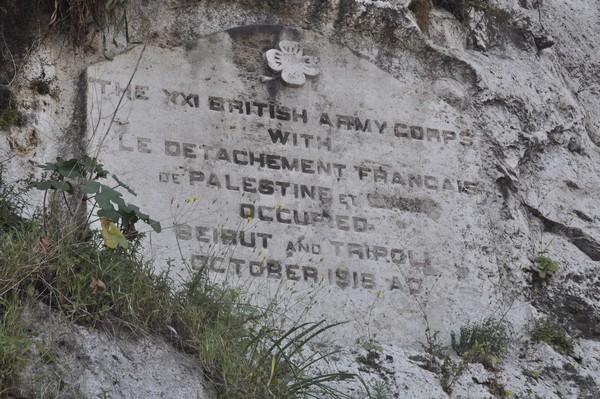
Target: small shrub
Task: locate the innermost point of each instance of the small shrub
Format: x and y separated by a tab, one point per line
78	175
483	343
548	331
545	266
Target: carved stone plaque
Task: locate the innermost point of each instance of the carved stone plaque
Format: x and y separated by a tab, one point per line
355	196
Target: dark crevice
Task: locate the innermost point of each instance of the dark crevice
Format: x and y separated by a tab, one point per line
577	237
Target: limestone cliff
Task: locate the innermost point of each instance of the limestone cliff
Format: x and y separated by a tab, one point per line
523	76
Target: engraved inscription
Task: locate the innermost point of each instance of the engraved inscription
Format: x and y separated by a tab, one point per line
304	192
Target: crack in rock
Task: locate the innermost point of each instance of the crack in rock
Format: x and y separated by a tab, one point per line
576	236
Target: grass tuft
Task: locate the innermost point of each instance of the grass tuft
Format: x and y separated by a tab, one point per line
548	331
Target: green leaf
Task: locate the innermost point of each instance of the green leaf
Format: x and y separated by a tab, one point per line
69	169
109	213
91	187
54	185
154	224
106	196
110	202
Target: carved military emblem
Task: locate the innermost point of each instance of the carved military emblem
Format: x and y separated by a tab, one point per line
290	64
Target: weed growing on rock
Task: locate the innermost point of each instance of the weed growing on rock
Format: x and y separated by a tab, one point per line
548	331
40	86
371	344
451	371
483	342
497	389
9	117
379	390
441	363
545	266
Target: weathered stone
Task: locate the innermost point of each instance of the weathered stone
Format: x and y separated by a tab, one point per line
532	110
339	190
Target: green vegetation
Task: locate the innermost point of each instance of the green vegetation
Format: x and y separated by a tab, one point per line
379	390
483	342
87	282
13	341
548	331
9	117
371	344
545	266
497	389
83	174
449	369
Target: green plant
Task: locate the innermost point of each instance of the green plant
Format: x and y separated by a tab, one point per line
548	331
546	267
282	366
40	86
483	342
451	371
379	390
90	285
441	362
497	389
9	117
536	373
83	174
372	344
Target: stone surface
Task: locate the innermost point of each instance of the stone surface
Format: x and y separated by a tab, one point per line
70	361
534	111
359	194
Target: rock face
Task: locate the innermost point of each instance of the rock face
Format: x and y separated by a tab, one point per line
408	166
264	184
74	362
